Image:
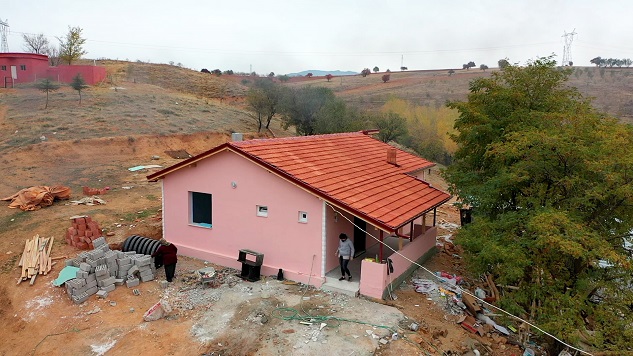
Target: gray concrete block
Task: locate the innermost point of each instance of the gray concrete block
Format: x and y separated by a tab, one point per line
147	278
82	274
69	262
90	284
132	282
101	270
99	242
96	254
120	254
92	290
101	261
108	288
91	277
119	281
132	270
84	266
144	268
78	299
129	253
102	293
124	261
104	248
105	282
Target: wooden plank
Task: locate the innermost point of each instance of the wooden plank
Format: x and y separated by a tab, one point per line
33	279
26	244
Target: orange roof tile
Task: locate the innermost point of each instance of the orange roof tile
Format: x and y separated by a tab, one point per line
349	170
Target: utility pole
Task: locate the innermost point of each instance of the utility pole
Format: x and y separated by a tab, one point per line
4	29
569	38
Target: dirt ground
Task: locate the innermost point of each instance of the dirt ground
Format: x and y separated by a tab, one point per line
238	318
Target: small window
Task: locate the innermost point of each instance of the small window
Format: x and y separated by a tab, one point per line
23	67
303	217
201	204
4	68
262	210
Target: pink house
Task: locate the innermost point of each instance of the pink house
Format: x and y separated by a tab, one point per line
16	68
288	199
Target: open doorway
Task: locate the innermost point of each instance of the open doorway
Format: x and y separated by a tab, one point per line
360	243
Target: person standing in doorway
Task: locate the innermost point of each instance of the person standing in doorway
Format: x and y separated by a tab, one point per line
168	253
345	253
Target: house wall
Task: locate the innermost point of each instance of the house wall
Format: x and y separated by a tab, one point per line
36	65
374	279
286	243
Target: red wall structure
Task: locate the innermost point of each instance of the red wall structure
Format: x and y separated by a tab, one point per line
16	68
65	73
22	68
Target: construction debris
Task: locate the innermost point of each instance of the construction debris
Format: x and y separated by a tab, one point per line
35	198
95	191
93	200
36	258
83	232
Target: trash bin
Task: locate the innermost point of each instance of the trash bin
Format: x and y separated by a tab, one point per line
251	269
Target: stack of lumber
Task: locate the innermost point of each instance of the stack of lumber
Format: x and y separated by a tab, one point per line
36	258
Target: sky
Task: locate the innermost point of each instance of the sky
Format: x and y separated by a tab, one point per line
287	36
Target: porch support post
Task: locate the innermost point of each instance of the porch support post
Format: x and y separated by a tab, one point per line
381	244
434	215
399	241
424	223
323	239
411	231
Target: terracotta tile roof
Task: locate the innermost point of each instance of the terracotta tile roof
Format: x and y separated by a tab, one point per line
349	170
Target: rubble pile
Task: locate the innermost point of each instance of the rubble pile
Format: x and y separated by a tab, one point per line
83	232
102	269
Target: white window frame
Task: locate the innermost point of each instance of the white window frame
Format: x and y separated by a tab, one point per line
205	224
262	211
303	217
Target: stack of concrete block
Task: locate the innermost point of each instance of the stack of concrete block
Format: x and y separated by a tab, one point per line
83	232
102	269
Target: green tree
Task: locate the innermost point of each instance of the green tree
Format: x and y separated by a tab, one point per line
483	67
263	99
71	46
391	125
78	84
385	78
550	183
301	108
47	86
376	69
502	63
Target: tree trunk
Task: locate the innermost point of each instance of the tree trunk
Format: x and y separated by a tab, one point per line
46	106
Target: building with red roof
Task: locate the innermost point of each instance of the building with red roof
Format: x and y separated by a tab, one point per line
290	198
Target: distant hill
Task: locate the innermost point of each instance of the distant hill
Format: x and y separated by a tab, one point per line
320	73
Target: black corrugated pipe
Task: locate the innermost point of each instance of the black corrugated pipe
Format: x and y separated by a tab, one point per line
140	244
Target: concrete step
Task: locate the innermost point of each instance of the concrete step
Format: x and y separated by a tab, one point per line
344	287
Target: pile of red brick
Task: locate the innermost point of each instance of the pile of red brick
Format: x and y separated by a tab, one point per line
82	232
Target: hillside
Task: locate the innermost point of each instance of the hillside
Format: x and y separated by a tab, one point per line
611	88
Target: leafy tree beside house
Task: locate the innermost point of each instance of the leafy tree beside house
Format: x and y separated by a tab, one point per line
78	84
71	46
46	85
263	99
549	180
391	125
